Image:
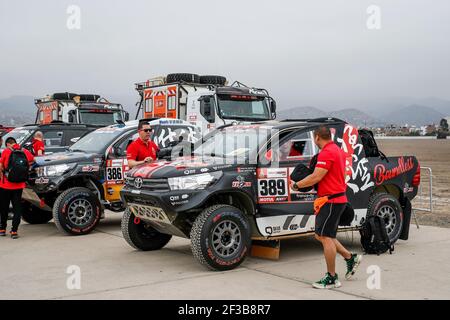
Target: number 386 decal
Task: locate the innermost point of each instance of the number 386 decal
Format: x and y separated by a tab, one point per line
114	173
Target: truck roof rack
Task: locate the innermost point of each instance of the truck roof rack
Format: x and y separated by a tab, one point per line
322	120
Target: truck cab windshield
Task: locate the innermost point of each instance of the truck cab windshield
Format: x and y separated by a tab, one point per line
100	117
244	107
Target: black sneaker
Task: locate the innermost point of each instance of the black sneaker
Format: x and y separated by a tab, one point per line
14	235
328	282
352	265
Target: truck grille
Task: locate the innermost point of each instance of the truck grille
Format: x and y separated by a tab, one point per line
157	185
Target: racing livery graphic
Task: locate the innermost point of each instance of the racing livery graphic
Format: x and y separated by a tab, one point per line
240	191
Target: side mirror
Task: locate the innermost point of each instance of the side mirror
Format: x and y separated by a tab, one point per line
127	116
273	106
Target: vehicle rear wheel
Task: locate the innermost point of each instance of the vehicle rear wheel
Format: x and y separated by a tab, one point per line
34	215
141	235
390	210
221	237
186	77
77	211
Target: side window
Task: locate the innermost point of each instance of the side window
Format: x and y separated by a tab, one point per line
149	105
121	147
53	138
298	147
172	102
71	136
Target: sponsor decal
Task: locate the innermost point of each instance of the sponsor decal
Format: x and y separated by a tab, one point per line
407	188
178	203
42	180
356	163
203	170
190	171
245	170
381	174
241	183
90	168
97	160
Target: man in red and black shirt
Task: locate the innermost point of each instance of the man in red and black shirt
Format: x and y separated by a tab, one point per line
329	174
143	149
11	191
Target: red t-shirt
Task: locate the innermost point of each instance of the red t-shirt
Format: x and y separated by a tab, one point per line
138	150
38	145
4	160
333	159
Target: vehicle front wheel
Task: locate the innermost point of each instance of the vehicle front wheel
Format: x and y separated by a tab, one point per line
390	210
141	235
34	215
77	211
221	237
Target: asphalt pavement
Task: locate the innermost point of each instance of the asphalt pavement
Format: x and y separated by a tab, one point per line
44	264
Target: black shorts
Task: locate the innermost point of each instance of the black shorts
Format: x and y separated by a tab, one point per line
327	221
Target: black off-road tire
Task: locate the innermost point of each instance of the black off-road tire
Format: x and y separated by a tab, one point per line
183	77
141	236
34	215
210	79
62	211
202	237
389	208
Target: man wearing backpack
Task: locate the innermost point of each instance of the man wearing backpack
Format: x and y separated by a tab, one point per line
14	167
331	202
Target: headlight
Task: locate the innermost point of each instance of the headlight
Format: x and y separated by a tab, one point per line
51	171
198	181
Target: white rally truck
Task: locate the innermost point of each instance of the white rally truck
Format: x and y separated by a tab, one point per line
207	102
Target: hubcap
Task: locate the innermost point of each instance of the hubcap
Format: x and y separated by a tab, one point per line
80	212
226	238
387	213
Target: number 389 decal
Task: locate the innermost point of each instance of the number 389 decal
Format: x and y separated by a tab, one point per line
272	187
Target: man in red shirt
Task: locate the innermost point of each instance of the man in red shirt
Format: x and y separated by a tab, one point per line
38	144
329	174
142	150
12	191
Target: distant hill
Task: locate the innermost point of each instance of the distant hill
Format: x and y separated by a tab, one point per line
17	110
353	116
414	115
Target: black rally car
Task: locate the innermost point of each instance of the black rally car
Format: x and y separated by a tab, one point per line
235	188
74	187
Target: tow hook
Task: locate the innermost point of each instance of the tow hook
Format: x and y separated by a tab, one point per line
137	220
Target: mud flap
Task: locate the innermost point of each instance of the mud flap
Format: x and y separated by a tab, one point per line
266	249
407	211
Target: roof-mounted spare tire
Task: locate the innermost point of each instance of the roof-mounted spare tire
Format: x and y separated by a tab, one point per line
183	77
64	96
89	97
211	79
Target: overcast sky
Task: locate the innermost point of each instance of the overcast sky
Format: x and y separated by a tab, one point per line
313	52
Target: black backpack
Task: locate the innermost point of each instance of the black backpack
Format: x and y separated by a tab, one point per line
374	237
18	167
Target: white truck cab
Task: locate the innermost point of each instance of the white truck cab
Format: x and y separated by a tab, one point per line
204	101
79	108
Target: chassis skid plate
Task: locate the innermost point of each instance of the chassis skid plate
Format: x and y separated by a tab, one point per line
157	218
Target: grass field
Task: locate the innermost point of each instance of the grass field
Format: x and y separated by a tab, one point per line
431	153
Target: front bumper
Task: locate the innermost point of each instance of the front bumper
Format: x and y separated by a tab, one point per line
166	212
